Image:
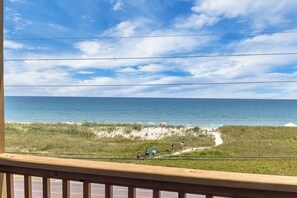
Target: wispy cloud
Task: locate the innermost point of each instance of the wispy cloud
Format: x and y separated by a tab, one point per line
86	72
259	14
206	16
117	4
8	44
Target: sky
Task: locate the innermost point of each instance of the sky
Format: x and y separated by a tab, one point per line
65	29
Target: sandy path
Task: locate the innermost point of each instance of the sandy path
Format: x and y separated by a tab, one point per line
212	131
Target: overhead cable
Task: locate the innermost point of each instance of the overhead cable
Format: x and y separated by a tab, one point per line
153	36
151	84
151	57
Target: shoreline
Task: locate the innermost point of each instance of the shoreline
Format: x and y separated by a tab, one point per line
149	124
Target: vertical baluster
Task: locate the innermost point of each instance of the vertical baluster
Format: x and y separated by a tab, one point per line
156	193
28	186
66	188
108	191
86	190
9	185
46	187
131	192
208	196
182	195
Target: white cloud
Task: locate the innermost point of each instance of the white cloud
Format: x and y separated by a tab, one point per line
260	13
127	70
129	28
117	5
86	72
87	18
93	48
248	68
12	14
17	1
151	71
9	44
153	68
134	47
196	21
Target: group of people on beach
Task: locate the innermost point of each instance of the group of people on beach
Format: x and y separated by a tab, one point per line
154	151
181	148
147	153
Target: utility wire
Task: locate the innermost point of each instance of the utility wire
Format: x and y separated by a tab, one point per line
152	36
152	57
160	84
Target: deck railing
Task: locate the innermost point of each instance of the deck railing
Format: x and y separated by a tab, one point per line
157	179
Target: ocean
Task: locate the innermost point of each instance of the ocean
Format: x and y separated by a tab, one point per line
173	111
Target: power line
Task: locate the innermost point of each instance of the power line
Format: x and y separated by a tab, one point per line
152	36
157	84
151	57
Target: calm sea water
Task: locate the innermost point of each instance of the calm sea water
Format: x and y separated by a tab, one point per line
194	112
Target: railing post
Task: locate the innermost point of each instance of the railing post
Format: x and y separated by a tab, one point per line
108	191
46	187
2	145
156	193
66	188
9	185
27	186
131	192
182	195
86	190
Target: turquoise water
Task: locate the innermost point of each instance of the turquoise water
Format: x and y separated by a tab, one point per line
194	112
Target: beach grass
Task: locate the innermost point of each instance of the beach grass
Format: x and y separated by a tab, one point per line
82	139
239	142
272	144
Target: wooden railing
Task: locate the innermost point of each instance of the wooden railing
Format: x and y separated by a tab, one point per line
157	179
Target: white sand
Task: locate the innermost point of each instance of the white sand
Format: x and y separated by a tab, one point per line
214	131
147	133
154	133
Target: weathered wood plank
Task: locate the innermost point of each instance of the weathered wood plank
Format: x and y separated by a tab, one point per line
152	184
224	184
27	186
46	187
161	174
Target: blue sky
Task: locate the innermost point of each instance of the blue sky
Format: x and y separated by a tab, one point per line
84	19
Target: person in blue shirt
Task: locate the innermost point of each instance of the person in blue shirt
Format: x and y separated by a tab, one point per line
154	151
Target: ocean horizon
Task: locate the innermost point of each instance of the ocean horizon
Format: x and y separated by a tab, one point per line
173	111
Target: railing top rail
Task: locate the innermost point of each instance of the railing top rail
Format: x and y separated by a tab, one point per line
153	173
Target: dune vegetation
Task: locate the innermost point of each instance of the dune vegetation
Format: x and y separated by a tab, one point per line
249	149
97	139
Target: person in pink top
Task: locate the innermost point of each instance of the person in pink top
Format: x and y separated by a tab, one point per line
182	146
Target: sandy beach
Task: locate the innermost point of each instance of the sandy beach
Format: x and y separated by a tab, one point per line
158	132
